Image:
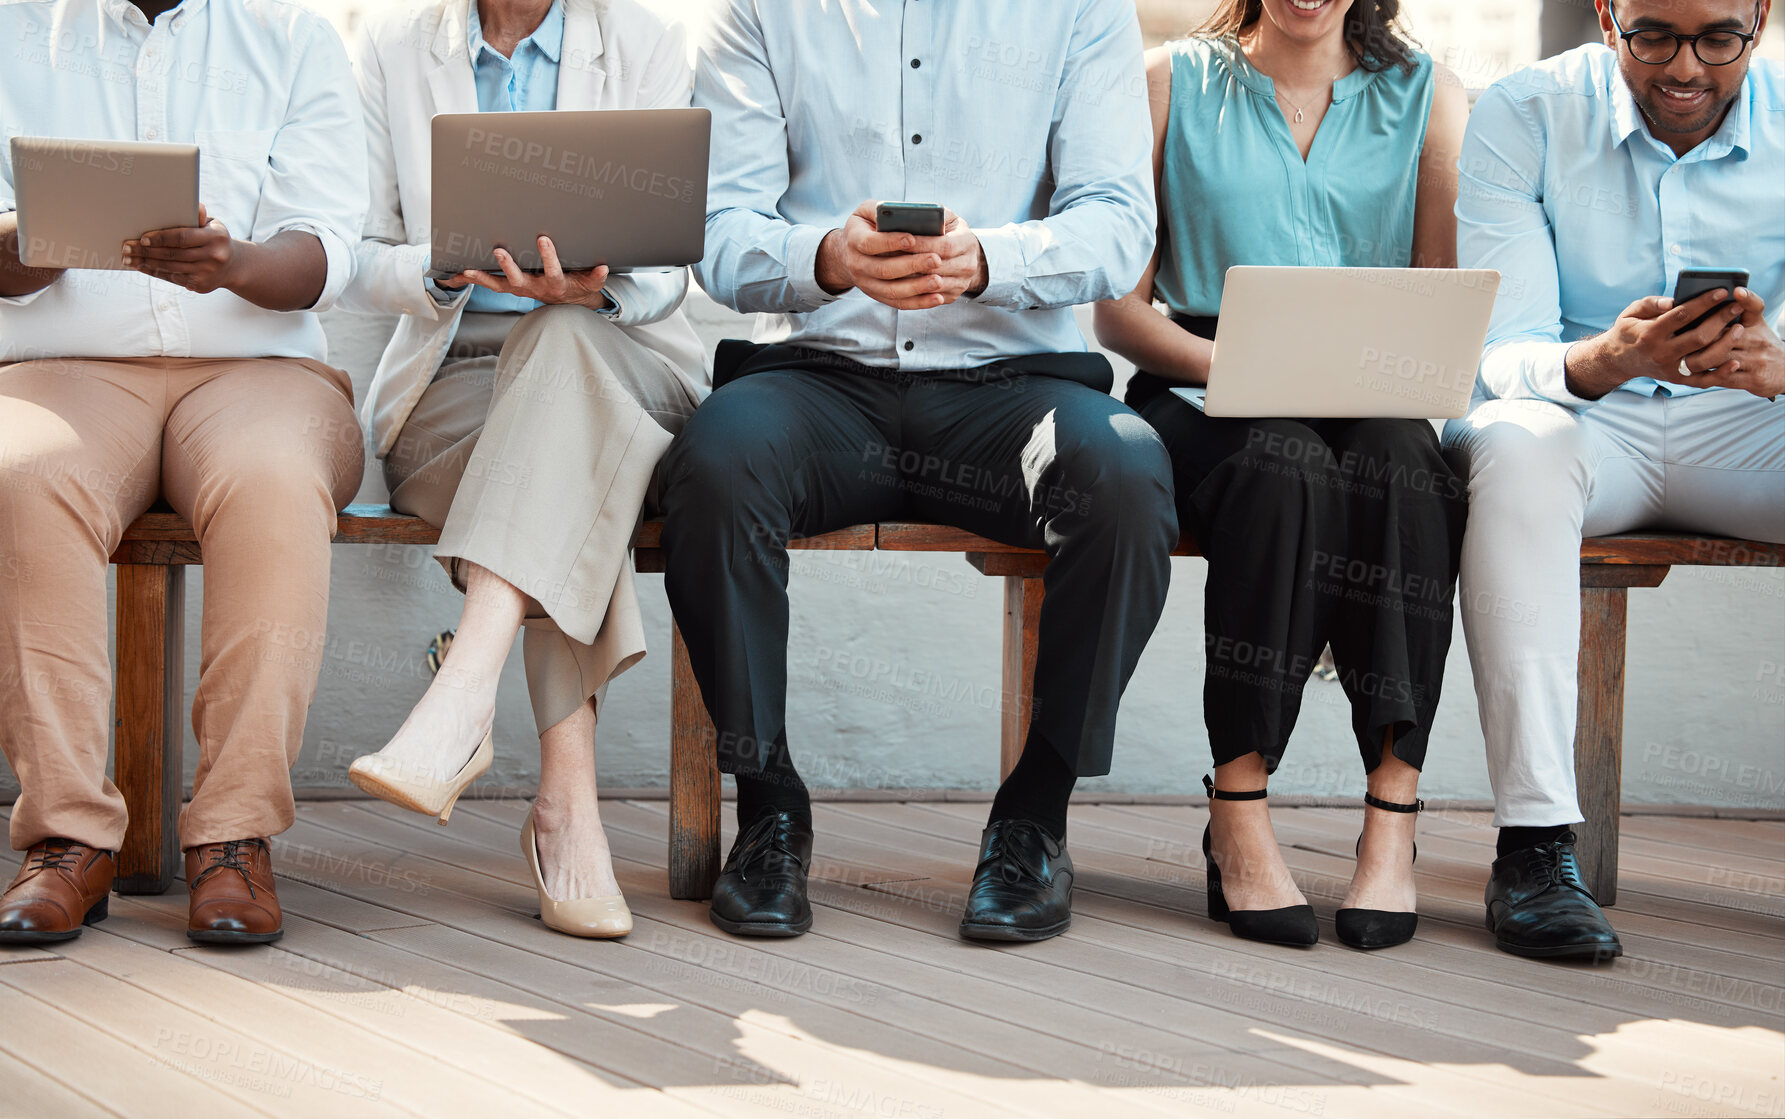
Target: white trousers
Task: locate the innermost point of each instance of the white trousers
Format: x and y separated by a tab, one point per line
1540	477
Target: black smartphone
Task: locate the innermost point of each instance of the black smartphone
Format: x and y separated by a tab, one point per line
924	219
1694	282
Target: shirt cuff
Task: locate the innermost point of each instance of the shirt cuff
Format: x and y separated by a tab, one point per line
339	255
612	311
445	297
30	296
1539	369
802	265
1004	268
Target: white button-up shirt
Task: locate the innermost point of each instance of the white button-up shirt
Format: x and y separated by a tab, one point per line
263	87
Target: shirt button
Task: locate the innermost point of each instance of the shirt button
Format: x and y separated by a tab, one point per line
915	64
916	138
153	133
1675	250
167	305
910	344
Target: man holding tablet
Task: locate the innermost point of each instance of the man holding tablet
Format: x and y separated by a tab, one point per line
195	374
925	367
1594	182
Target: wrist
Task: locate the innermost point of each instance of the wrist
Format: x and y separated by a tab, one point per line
238	274
828	267
982	276
1583	369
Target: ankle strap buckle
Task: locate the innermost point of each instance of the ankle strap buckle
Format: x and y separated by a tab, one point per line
1224	794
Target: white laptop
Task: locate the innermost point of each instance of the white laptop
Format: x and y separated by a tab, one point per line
1348	343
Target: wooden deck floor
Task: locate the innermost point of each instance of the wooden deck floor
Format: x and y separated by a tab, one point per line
414	979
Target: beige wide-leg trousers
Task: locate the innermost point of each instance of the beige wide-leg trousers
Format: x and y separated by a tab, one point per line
535	449
259	454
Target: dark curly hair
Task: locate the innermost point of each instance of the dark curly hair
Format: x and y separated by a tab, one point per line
1370	31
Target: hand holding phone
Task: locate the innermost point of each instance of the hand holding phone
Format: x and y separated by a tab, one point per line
924	219
1694	282
908	256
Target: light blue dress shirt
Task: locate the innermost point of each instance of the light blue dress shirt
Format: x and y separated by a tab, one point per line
1236	189
527	82
1583	212
1028	119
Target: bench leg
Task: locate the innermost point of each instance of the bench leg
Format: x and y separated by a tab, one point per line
148	729
1599	736
693	785
1022	623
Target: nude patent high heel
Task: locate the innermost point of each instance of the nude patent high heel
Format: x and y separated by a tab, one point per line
601	918
385	779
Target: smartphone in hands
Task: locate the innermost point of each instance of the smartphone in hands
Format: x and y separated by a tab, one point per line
922	219
1694	282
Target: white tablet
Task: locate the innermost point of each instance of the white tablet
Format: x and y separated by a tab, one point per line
80	200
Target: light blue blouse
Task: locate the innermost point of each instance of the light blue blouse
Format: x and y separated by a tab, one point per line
1235	189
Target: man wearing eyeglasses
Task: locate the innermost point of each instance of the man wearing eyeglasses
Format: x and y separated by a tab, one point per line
1591	180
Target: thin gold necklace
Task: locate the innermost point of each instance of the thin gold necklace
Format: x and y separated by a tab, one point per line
1299	114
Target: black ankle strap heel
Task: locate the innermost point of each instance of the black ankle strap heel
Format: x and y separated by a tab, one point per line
1293	925
1369	929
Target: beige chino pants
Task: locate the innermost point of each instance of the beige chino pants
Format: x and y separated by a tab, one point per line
259	454
535	448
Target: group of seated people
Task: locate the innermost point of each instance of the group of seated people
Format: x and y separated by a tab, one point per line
534	417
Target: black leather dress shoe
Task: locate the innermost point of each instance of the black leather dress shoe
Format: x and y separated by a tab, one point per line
1022	888
762	889
1537	905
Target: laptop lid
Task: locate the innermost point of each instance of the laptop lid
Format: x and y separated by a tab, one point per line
622	187
1351	343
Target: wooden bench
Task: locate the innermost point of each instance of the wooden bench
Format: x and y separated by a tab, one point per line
149	689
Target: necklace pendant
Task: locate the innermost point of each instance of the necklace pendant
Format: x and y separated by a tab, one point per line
1298	116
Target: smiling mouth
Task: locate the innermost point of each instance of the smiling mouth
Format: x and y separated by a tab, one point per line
1681	99
1309	5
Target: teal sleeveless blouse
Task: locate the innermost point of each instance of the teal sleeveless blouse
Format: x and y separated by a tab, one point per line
1236	191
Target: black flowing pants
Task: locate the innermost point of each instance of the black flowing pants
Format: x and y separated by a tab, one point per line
1345	532
816	442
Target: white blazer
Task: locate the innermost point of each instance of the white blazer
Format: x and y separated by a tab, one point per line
413	61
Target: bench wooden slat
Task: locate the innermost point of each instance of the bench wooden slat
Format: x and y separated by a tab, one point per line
161	543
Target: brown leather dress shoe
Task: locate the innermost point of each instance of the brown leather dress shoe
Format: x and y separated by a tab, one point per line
233	902
61	886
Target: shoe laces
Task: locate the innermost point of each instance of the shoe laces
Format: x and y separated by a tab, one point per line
1013	862
55	854
760	841
229	857
1556	859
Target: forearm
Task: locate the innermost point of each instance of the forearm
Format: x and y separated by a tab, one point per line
755	263
1093	251
15	278
1137	331
1590	371
285	273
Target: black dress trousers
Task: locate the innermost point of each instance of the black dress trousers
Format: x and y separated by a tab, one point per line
803	442
1346	532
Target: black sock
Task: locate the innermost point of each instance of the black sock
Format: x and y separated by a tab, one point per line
1038	788
777	788
1514	839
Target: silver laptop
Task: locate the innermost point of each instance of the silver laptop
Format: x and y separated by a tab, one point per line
1349	342
80	200
622	187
